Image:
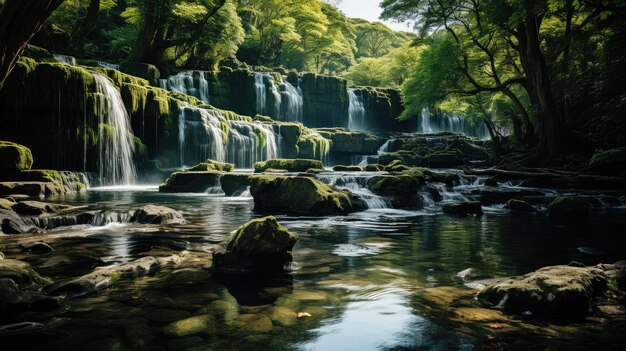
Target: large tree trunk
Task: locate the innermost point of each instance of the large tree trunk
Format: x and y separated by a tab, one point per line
148	37
85	27
528	134
552	128
19	21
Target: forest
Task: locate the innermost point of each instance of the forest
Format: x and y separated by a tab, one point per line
286	175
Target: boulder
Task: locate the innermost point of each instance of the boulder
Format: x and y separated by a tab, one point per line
290	165
152	214
273	170
463	209
32	189
14	157
403	189
299	195
38	247
519	206
37	208
234	183
204	324
560	292
611	161
569	207
12	223
190	182
142	70
15	302
21	273
348	168
211	165
261	244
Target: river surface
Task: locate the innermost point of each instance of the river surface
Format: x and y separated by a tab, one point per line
382	279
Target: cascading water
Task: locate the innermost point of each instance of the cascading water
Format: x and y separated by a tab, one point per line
108	65
193	83
293	103
65	59
116	148
442	122
357	185
201	137
259	90
356	111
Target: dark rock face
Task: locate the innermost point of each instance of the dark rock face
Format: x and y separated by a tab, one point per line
37	208
15	302
559	292
21	273
151	214
621	279
142	70
190	182
520	206
31	189
14	157
298	195
463	209
325	101
234	183
259	245
569	207
382	107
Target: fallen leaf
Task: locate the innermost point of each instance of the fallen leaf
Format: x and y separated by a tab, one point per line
303	314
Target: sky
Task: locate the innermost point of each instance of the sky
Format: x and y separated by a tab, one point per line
369	10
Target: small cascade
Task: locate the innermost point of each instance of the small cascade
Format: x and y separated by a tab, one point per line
263	82
202	136
108	65
357	185
385	148
293	103
356	111
259	90
442	122
192	83
65	59
116	149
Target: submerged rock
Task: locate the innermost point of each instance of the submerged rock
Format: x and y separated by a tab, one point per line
290	165
558	292
463	209
520	206
259	245
21	273
37	247
190	182
569	207
152	214
205	324
300	195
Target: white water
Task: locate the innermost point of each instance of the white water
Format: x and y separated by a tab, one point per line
116	149
293	103
201	138
356	111
442	122
108	65
263	81
259	90
65	59
357	185
192	83
286	102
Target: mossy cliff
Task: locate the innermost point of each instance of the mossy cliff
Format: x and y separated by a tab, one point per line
382	108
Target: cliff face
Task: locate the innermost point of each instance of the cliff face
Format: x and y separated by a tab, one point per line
325	101
382	107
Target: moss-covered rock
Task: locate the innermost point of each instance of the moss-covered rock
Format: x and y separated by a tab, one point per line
374	168
204	324
190	182
569	207
516	205
348	168
234	183
143	70
152	214
445	159
611	161
463	209
560	292
33	189
21	273
211	165
299	195
14	157
290	165
402	189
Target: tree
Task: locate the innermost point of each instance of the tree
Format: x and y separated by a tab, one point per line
19	21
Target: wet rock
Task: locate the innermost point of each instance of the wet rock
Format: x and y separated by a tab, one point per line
463	209
152	214
162	315
214	166
6	204
576	264
14	157
348	168
189	343
374	168
491	196
560	292
291	165
15	302
31	189
272	170
190	182
315	171
621	279
403	189
519	206
255	323
434	193
225	309
470	274
569	207
611	161
12	223
282	316
261	244
299	195
37	247
205	324
21	273
142	70
37	208
234	183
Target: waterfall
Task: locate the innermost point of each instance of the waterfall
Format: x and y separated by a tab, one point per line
385	148
357	185
259	89
192	83
356	111
293	103
443	122
262	81
201	137
108	65
116	148
65	59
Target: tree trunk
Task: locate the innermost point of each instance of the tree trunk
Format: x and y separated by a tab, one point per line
552	129
19	21
529	131
85	27
148	34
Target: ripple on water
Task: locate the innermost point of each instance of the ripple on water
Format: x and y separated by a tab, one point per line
352	250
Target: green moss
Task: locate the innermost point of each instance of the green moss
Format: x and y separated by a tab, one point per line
14	157
211	165
272	170
291	165
262	236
